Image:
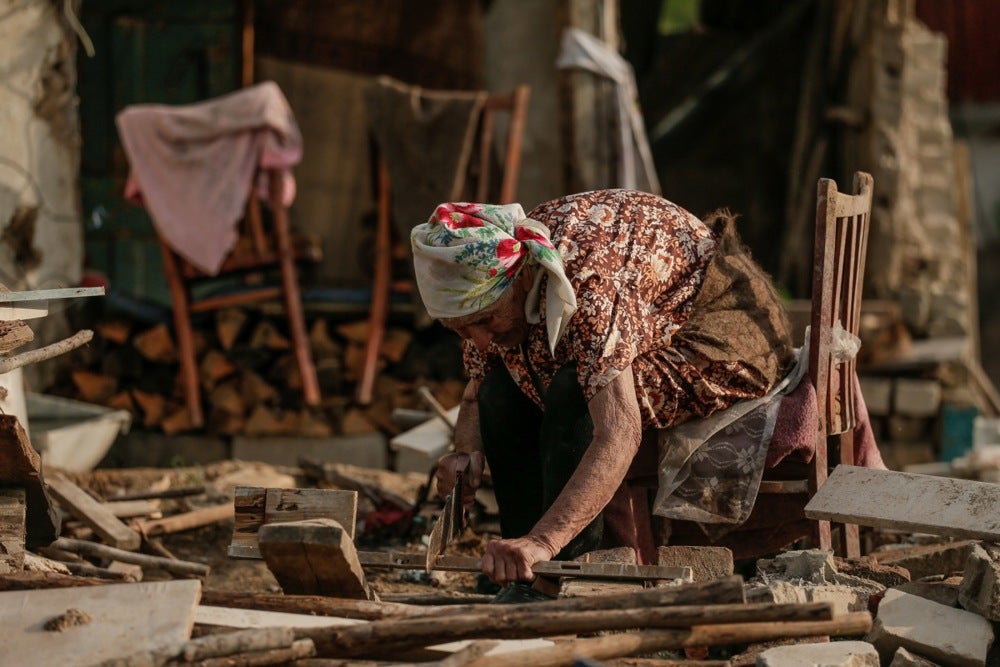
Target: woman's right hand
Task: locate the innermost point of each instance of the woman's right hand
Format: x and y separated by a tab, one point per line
470	464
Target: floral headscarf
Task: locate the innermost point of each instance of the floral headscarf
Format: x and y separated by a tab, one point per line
466	255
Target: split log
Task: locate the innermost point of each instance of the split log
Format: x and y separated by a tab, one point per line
650	641
317	605
214	367
178	567
177	421
264	421
256	390
114	330
228	398
299	650
122	401
153	407
93	513
228	325
398	634
314	557
88	570
187	521
242	641
176	492
93	387
156	345
267	337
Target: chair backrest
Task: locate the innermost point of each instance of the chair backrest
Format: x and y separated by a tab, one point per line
516	105
842	223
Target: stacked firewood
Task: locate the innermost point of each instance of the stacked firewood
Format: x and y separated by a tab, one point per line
249	378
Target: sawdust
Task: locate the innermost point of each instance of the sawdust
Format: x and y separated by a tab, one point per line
70	619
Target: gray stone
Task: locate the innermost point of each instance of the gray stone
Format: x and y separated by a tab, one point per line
813	565
706	563
927	560
980	588
944	591
950	636
827	654
843	598
868	568
904	658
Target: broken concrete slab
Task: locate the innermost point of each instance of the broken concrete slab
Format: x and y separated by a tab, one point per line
868	568
706	563
90	624
811	576
904	658
950	636
979	591
941	590
843	598
827	654
920	503
928	560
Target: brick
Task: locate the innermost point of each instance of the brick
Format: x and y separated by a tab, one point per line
980	588
951	636
706	563
878	395
916	398
828	654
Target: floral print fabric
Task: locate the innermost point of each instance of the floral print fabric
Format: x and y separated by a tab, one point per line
636	263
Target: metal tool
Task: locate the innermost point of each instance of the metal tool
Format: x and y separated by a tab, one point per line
449	524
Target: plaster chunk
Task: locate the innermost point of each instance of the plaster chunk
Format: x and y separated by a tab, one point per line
904	658
827	654
953	637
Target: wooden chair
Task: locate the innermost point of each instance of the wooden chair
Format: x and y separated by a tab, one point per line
384	284
262	245
842	224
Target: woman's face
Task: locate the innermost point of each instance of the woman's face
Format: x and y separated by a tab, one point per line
503	322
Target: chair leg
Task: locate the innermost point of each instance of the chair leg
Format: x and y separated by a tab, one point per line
293	306
381	288
185	336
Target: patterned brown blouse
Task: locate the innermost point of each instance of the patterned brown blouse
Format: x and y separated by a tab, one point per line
637	263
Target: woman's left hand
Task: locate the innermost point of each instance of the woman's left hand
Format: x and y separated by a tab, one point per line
511	560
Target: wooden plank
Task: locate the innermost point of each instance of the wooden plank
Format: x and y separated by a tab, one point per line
554	568
126	509
12	513
44	294
26	311
907	501
20	465
93	513
256	506
116	620
230	617
314	557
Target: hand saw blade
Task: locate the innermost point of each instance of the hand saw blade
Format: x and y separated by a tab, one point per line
448	525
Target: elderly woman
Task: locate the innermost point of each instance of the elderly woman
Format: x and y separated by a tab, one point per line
596	319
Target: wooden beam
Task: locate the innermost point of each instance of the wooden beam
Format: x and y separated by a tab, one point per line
906	501
314	557
93	513
86	548
256	506
46	294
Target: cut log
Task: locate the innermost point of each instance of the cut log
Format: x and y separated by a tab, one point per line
401	634
264	421
178	567
355	332
125	509
114	329
88	570
122	401
93	513
394	344
222	422
7	364
254	507
299	650
156	345
12	529
227	397
149	494
228	325
650	641
21	466
257	639
131	570
313	557
256	390
178	420
906	501
322	345
186	521
214	367
92	387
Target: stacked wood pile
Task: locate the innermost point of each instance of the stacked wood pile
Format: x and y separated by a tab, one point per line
249	376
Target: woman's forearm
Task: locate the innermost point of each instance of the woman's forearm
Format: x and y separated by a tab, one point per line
617	435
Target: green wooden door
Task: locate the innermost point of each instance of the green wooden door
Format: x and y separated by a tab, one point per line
146	52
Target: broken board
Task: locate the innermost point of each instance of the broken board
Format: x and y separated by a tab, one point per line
94	514
21	466
255	506
115	621
906	501
11	530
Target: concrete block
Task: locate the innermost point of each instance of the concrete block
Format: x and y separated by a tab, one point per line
367	450
916	398
706	563
904	658
878	395
812	565
843	598
980	588
943	591
949	636
827	654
